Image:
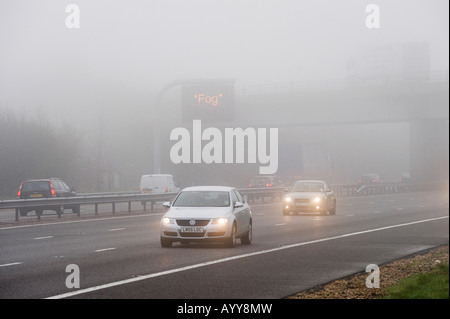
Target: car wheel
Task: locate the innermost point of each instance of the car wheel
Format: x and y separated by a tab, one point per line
231	241
39	212
247	238
333	211
166	243
76	210
23	212
325	211
60	210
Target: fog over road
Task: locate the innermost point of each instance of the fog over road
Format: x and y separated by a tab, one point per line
121	257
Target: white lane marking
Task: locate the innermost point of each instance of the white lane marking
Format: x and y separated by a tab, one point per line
45	237
280	224
11	264
83	221
104	249
349	215
218	261
117	229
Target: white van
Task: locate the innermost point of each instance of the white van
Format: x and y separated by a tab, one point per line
158	184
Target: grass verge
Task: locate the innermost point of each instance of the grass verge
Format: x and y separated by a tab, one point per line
432	285
424	275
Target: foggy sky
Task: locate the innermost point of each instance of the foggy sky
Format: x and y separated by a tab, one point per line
127	50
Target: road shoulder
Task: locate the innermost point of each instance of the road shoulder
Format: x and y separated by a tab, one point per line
354	286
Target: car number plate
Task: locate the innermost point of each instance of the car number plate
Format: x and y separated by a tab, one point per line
301	204
192	229
36	195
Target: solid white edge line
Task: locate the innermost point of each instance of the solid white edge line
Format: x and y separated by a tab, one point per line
208	263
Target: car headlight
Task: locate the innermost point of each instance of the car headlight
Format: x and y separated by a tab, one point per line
288	199
167	220
317	200
220	221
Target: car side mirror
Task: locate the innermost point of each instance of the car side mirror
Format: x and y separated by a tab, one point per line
166	204
238	205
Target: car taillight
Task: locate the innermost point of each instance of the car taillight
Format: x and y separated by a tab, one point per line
52	189
374	180
20	190
360	181
140	189
250	185
167	189
269	185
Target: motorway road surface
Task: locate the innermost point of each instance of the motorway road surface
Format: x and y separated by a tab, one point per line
121	257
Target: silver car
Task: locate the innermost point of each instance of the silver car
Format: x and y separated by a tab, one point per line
309	196
207	213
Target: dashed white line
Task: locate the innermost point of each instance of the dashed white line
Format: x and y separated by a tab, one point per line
104	249
44	237
349	215
117	229
11	264
280	224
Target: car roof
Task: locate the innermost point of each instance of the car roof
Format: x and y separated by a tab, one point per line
208	188
265	176
147	175
310	181
42	179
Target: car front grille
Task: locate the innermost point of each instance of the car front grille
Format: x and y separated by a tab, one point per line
198	222
192	234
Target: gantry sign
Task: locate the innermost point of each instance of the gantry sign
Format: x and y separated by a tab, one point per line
209	103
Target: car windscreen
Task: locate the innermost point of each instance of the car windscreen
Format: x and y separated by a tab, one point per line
38	186
307	187
202	199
